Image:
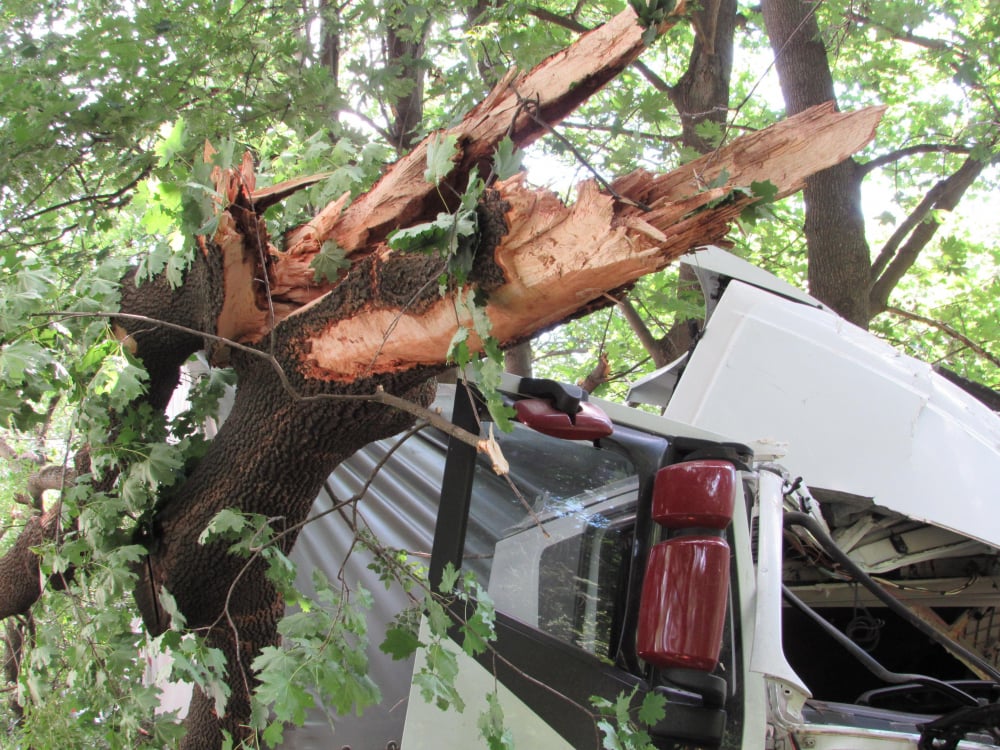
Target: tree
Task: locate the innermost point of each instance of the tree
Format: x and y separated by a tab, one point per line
141	506
841	270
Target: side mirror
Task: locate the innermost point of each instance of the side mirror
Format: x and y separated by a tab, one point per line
683	607
589	423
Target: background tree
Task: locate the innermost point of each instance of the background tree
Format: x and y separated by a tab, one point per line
103	111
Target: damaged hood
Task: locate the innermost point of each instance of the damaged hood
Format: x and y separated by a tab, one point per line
832	403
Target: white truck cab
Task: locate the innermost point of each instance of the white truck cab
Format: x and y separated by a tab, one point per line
799	552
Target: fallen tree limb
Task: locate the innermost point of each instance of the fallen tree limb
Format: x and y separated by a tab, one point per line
557	259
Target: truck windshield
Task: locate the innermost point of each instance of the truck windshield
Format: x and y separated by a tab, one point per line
552	544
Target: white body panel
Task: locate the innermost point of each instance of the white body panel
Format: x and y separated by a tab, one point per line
857	416
430	728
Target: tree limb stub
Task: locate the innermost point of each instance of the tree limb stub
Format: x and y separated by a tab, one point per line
558	259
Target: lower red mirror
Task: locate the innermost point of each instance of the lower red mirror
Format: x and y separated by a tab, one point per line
683	606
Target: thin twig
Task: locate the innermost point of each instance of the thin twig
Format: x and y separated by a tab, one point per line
947	330
530	108
380	395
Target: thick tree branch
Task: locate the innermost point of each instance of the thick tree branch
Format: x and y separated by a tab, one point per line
649	342
597	376
557	259
897	256
557	86
568	22
20	575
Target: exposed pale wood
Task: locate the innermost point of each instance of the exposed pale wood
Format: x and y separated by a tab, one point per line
934	620
559	259
784	154
555	88
241	318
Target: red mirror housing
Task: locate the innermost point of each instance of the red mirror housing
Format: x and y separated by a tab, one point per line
683	607
590	423
695	493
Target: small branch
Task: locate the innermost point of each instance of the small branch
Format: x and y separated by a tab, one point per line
8	452
104	199
380	396
902	153
658	137
598	376
642	332
938	45
531	109
948	331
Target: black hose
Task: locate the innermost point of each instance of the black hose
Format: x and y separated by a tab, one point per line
830	547
873	665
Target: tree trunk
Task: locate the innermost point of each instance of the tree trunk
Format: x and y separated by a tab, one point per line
839	257
702	93
700	96
404	51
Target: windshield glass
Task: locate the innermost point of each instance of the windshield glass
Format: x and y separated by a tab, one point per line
552	543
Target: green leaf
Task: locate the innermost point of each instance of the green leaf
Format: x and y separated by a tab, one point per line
436	680
653	708
441	152
437	618
179	260
400	643
766	190
121	379
329	262
289	700
711	131
22	358
169	604
449	577
226	524
274	734
172	143
161	467
507	159
441	235
491	725
720	180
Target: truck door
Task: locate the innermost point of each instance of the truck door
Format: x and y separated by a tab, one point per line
561	546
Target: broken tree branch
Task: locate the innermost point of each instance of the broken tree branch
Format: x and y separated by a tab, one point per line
558	259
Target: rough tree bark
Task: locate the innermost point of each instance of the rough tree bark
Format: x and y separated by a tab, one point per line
313	359
701	95
839	257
